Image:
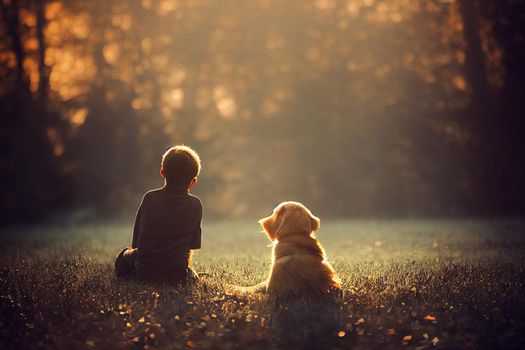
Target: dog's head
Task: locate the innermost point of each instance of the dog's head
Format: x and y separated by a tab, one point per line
290	218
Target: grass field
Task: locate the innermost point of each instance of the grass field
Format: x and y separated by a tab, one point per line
407	284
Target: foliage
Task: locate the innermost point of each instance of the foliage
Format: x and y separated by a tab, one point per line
358	107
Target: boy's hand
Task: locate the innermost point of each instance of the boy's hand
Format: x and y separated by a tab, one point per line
130	252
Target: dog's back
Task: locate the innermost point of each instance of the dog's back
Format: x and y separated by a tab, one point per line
299	266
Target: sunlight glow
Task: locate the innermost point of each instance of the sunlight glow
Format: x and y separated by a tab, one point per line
111	52
224	101
176	99
78	117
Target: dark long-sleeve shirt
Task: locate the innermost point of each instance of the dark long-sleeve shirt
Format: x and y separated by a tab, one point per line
167	226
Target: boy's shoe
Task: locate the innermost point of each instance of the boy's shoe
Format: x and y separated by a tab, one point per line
125	262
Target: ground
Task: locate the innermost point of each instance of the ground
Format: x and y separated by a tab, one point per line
414	284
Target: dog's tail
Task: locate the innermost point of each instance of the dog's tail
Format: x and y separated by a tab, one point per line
258	288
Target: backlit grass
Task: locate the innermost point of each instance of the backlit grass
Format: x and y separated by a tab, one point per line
411	284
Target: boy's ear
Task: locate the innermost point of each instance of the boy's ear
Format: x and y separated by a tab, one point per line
162	173
193	182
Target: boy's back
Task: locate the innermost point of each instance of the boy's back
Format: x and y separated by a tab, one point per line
168	223
167	226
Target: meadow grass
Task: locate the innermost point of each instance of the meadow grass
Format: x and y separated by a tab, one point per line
415	284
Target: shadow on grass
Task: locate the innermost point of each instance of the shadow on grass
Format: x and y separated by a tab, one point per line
304	321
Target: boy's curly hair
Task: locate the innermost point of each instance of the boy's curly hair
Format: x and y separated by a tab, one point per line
180	165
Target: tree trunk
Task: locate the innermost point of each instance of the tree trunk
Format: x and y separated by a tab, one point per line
43	72
475	72
11	14
482	119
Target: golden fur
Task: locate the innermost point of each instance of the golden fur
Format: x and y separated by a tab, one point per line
299	262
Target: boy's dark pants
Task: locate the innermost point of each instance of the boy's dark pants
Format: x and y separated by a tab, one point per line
125	267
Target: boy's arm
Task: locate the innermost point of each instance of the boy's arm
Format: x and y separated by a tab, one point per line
136	227
197	234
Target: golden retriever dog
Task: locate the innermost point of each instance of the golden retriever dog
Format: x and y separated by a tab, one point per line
299	264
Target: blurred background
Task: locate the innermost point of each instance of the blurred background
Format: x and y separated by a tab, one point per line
358	108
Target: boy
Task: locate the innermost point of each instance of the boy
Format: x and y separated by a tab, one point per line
168	223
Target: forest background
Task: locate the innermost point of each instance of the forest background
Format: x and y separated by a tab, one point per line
385	108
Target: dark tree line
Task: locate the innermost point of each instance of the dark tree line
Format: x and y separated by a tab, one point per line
497	115
33	181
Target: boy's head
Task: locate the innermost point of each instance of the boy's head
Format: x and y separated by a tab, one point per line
180	166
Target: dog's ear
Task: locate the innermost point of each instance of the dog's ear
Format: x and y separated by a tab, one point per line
272	223
268	225
315	222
